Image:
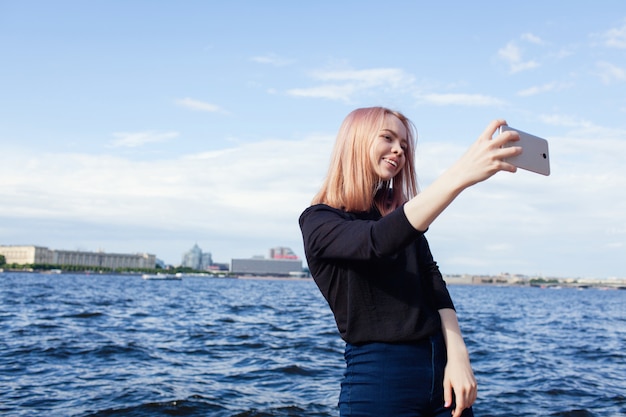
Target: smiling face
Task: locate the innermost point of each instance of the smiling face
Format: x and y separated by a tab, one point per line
388	149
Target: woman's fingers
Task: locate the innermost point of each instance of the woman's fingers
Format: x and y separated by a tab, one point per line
491	129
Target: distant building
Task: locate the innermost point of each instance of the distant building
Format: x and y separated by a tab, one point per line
196	259
219	267
266	267
23	255
282	253
282	262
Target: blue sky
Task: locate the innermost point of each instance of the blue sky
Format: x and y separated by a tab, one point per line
148	126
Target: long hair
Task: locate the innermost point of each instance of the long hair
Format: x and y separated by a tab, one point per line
351	183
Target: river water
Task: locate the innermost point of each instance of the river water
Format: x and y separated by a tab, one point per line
102	345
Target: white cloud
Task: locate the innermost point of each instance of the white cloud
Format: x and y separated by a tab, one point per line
248	192
331	92
615	37
461	99
343	85
540	89
247	198
527	222
529	37
610	73
512	55
198	105
136	139
564	121
370	77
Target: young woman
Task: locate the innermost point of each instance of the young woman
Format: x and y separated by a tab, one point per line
365	247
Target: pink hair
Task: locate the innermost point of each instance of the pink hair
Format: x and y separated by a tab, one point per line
351	183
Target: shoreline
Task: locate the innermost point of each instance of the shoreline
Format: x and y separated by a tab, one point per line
503	280
272	278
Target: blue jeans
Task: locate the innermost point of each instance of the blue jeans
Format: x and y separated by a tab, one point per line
399	380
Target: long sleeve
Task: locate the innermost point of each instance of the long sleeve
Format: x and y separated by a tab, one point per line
332	234
377	274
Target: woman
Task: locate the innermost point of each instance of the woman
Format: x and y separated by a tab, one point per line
365	247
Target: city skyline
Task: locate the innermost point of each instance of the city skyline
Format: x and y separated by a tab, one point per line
195	257
214	122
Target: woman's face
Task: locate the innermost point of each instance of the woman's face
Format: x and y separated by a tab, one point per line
388	149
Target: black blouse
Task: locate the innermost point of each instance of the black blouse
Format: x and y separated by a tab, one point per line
376	273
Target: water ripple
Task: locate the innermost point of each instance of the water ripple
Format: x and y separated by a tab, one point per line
81	346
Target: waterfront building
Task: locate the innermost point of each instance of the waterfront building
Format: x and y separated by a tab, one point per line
282	262
282	252
23	255
196	259
266	267
30	254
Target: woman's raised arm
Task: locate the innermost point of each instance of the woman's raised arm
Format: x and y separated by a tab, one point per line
481	161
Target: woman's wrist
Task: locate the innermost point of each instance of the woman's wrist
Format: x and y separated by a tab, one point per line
457	352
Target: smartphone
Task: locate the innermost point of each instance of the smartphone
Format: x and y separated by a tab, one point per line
534	157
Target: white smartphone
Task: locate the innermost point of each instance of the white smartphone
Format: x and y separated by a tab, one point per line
534	157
